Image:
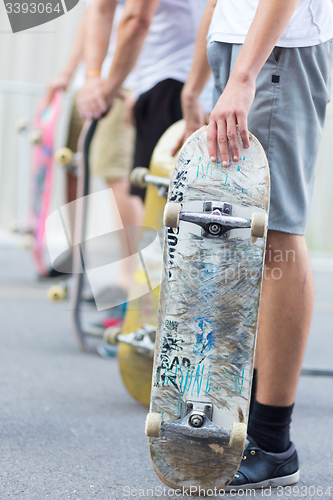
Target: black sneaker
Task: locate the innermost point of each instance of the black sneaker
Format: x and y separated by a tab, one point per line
260	469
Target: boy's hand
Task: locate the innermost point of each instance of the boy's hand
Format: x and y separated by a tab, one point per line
229	115
91	101
59	82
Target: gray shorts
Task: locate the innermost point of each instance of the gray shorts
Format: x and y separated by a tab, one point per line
287	116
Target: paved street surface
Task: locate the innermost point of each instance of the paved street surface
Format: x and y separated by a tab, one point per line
68	428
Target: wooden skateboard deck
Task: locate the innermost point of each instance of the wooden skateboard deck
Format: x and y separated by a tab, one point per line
208	316
136	358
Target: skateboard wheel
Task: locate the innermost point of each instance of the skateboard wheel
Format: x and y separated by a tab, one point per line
238	435
56	293
171	214
27	241
110	336
14	226
259	224
137	177
153	424
22	125
63	156
36	137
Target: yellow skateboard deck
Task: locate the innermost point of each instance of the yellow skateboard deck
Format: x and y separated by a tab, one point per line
136	361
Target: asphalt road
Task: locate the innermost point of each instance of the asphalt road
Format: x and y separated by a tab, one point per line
68	428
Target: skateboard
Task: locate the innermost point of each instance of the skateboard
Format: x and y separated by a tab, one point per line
214	248
83	172
78	164
136	339
41	137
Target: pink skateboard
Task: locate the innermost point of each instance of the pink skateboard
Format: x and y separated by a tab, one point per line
42	176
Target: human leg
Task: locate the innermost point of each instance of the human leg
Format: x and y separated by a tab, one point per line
285	317
111	158
155	111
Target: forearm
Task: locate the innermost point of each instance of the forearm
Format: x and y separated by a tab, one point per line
76	52
97	33
200	70
132	32
270	21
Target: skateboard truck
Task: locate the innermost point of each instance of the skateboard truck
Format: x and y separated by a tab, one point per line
216	219
140	177
140	338
197	423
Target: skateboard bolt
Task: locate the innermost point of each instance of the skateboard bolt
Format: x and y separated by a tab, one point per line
196	420
139	336
214	229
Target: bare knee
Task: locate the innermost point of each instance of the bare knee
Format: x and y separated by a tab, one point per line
282	248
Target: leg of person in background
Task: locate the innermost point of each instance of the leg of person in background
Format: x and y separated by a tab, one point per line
155	111
111	159
131	211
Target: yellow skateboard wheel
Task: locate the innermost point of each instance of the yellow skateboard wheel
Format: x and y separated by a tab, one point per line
56	293
63	156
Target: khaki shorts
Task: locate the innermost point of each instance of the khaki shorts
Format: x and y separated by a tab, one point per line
112	148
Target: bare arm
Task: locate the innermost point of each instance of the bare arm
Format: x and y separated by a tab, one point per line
198	76
97	33
132	31
233	107
61	81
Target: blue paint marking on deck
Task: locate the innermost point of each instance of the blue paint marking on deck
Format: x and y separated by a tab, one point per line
211	269
208	382
197	381
205	337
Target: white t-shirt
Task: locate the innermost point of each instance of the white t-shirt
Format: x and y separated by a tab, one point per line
311	23
169	46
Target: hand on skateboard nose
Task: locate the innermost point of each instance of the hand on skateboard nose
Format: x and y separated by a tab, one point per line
92	101
228	117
